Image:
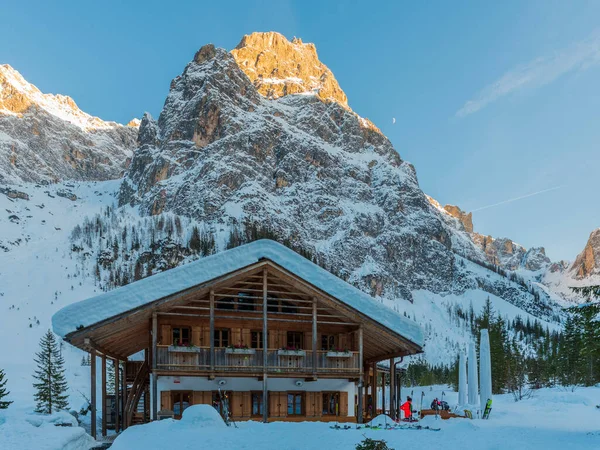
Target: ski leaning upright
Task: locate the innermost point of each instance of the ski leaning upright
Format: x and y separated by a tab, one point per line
487	410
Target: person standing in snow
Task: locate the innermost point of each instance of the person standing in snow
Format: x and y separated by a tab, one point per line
407	408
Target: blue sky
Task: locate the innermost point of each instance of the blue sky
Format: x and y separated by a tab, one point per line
493	100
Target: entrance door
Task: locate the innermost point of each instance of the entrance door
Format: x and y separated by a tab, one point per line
180	401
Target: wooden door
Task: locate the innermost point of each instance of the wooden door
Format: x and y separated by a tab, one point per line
165	400
165	335
314	402
236	400
197	336
246	404
202	398
205	342
343	404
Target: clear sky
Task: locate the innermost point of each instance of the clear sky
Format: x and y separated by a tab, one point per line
493	101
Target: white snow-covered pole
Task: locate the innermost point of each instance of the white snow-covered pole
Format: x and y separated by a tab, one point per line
473	386
462	379
485	369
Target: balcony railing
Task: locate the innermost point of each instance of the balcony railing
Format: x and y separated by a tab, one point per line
278	361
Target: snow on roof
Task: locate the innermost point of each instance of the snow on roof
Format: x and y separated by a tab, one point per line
142	292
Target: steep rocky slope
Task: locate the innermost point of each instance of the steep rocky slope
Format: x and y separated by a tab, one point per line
587	262
232	153
46	138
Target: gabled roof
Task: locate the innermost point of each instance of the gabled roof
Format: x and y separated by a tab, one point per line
135	295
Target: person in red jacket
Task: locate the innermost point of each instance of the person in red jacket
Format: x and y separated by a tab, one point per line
407	408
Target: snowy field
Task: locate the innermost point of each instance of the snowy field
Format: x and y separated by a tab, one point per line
552	419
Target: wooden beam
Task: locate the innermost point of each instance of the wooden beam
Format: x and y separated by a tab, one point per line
265	397
154	365
314	337
212	330
103	387
360	411
91	344
374	390
93	392
116	364
392	389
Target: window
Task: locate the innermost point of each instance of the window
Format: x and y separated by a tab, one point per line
257	403
256	338
328	342
182	336
295	339
181	400
295	405
272	305
331	403
221	338
245	303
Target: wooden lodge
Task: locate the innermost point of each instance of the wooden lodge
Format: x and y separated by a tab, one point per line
277	336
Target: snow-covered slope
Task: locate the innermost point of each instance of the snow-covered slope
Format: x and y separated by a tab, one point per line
45	137
39	275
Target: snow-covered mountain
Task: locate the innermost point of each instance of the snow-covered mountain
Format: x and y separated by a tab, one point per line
257	141
47	138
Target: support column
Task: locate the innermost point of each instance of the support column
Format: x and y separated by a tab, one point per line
265	332
374	390
383	392
117	397
103	395
212	332
361	406
392	389
123	395
93	392
314	338
153	372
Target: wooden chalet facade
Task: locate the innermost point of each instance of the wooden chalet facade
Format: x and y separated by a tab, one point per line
273	342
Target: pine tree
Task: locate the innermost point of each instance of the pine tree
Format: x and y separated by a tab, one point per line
51	387
195	243
3	392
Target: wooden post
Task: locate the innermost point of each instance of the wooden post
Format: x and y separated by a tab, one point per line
93	391
383	392
123	395
103	395
374	390
117	399
392	389
154	380
212	331
265	345
360	412
314	338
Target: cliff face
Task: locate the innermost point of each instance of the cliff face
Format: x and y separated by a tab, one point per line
301	164
278	67
46	138
587	262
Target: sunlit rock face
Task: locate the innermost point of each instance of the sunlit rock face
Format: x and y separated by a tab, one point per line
588	261
46	138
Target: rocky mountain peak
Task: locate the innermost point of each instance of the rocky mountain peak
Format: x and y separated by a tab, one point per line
278	67
17	96
465	218
588	261
46	137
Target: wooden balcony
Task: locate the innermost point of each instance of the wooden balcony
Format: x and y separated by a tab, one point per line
197	360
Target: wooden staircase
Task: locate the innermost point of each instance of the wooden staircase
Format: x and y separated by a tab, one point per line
140	383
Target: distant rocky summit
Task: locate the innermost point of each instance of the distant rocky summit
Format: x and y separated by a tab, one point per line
47	138
587	262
